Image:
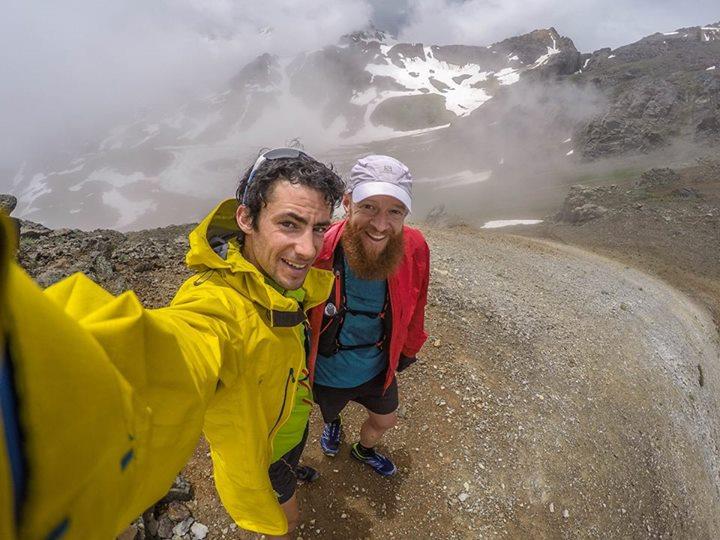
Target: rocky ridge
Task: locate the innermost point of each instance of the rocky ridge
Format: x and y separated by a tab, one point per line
481	109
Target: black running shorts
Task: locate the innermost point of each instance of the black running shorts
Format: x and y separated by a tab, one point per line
370	395
282	472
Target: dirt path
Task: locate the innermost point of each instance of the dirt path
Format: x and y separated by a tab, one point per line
560	395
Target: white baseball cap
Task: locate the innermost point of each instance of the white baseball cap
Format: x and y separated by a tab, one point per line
380	175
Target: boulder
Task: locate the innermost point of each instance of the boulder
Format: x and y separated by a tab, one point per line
7	203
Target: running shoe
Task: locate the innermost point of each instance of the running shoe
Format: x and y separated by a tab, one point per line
330	438
381	464
306	474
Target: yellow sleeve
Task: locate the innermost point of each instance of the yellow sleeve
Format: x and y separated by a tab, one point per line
111	399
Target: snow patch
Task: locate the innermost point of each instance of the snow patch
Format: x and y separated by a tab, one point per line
109	176
570	153
509	222
67	171
19	175
710	33
460	98
567	140
710	68
36	188
129	210
508	76
611	56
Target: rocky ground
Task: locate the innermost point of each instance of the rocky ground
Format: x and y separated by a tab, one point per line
561	394
664	221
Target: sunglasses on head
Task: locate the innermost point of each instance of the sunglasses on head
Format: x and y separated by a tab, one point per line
275	153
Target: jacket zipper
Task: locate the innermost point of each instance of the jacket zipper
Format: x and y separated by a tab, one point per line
290	378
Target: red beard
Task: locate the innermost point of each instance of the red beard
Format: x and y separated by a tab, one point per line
368	266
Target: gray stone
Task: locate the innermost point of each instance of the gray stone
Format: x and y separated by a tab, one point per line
177	511
687	193
199	530
7	203
181	490
165	527
183	527
584	213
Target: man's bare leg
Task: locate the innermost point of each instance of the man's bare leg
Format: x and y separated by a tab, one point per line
375	427
292	513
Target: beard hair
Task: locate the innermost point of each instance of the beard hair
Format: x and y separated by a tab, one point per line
364	265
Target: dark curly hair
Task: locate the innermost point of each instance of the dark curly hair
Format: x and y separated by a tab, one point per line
302	170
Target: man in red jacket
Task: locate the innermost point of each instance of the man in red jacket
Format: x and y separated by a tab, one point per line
373	323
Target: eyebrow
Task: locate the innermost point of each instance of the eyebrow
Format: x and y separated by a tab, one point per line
304	221
293	215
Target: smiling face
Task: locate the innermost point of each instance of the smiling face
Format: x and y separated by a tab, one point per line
373	238
287	234
376	220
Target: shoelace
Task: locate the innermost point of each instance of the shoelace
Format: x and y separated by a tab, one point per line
334	430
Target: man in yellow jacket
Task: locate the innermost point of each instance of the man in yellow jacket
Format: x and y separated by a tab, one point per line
102	401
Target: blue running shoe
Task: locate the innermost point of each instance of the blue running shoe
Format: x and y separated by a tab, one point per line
330	438
381	464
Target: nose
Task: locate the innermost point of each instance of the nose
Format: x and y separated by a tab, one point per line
381	222
305	247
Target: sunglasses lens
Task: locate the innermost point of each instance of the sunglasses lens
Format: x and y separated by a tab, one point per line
279	153
276	153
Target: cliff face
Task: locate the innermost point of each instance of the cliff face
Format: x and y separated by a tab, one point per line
663	88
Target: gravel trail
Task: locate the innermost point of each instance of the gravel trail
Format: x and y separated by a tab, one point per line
607	386
560	395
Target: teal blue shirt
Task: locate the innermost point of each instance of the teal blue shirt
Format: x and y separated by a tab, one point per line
347	369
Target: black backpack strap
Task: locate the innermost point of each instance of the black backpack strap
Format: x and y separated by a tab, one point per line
284	319
334	313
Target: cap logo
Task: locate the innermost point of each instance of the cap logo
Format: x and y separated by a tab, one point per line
388	168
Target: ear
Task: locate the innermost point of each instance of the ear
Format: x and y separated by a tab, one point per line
244	221
346	202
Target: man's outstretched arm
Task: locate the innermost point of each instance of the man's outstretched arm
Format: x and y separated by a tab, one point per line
109	398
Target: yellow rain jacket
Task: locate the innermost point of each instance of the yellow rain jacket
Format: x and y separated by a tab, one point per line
111	396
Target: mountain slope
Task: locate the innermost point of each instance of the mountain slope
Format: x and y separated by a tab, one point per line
500	121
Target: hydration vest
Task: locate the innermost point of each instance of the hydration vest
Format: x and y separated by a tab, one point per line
336	308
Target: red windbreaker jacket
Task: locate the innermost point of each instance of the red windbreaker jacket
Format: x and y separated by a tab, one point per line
407	288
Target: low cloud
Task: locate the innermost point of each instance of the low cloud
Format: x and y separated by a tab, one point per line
71	69
591	24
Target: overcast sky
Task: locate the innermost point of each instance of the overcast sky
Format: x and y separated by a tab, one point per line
71	68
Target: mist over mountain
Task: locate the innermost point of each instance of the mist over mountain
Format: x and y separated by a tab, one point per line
481	127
